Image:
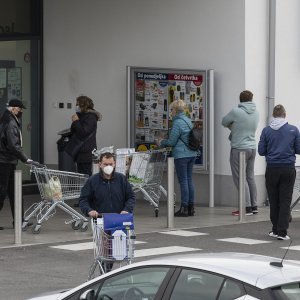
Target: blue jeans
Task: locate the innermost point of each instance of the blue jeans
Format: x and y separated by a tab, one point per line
184	171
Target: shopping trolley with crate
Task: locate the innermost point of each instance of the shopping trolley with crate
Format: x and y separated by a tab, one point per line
55	188
113	242
296	191
145	172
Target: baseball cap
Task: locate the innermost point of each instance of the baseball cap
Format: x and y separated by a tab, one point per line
16	103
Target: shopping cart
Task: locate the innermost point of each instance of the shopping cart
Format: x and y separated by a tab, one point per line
296	192
145	172
55	188
113	240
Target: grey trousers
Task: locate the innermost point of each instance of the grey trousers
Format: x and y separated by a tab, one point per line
250	187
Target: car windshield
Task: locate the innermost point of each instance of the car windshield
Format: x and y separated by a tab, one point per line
289	291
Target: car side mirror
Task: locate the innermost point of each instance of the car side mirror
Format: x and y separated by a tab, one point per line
88	295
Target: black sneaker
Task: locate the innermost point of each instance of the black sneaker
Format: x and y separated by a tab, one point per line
249	211
254	210
283	238
273	234
1	228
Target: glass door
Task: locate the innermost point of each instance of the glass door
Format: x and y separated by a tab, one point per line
19	80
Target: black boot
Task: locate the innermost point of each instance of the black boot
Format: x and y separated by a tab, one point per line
182	212
191	210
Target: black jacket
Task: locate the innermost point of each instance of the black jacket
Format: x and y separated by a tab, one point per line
82	128
10	139
107	196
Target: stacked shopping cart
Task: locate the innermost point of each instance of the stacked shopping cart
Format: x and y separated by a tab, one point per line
145	172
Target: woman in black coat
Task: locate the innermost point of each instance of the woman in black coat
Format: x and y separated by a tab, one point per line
84	128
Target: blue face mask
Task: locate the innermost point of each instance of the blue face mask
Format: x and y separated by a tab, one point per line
77	109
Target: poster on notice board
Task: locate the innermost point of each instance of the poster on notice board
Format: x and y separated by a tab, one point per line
150	96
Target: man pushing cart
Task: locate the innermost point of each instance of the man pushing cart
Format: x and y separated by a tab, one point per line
106	192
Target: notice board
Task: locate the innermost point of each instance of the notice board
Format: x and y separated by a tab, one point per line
150	94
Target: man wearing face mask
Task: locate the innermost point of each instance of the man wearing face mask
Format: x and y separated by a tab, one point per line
106	191
10	150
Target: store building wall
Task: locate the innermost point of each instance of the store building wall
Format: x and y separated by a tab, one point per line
87	49
288	59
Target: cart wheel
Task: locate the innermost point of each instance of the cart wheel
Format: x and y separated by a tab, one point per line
76	225
156	212
291	218
36	230
84	228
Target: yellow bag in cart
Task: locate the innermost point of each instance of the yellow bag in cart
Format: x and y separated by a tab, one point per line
52	189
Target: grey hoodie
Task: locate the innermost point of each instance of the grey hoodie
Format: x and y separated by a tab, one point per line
242	121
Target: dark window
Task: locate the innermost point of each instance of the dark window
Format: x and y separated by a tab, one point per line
289	291
231	290
192	284
20	17
142	283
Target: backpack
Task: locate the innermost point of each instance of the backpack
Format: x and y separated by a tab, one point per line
194	137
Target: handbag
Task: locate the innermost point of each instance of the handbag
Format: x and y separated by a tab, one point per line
75	144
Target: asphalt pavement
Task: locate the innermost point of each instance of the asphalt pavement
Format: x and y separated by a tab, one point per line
60	257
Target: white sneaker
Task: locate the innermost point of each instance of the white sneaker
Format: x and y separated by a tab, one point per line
283	238
272	234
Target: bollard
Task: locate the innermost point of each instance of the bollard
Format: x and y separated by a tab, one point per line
170	221
18	207
242	182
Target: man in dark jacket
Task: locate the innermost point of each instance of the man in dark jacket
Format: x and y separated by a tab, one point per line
10	150
106	191
279	143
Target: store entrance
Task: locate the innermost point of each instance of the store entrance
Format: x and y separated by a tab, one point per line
19	80
21	64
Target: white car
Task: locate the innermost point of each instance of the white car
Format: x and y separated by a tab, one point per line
220	276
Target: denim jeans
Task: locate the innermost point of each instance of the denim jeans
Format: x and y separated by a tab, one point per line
184	171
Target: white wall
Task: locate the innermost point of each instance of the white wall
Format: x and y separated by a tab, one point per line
88	46
287	57
256	62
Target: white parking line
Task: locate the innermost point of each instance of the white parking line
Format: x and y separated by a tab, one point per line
183	233
239	240
297	248
81	246
163	250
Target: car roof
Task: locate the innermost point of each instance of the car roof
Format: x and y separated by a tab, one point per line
249	268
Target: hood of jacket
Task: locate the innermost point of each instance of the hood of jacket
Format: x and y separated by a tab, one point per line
98	115
249	107
277	123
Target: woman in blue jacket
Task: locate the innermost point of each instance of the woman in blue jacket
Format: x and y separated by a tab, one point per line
184	158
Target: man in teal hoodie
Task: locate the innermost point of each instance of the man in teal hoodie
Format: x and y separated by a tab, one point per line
243	121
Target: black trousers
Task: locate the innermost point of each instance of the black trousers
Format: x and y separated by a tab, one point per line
280	183
7	186
84	168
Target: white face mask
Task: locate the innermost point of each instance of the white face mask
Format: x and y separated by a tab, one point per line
77	109
108	170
